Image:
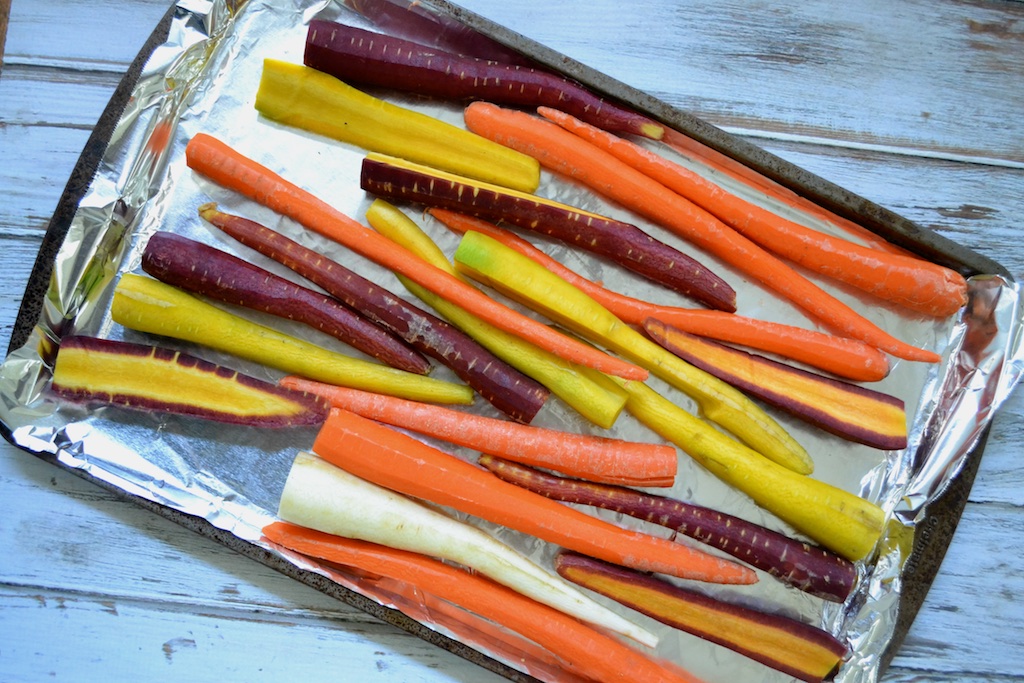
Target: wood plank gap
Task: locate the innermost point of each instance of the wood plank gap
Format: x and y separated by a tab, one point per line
217	610
937	155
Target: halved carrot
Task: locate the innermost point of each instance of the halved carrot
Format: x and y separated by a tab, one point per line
583	649
906	281
595	458
561	151
227	167
847	358
401	463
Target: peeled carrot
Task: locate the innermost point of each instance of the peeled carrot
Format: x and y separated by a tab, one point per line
401	463
227	167
561	151
595	458
583	649
910	282
847	358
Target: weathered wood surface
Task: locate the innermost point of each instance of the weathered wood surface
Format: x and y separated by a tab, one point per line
914	105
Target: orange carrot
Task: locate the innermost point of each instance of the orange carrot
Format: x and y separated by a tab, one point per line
600	459
584	650
561	151
227	167
847	358
694	150
910	282
397	461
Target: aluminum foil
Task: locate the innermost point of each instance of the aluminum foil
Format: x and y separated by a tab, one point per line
204	79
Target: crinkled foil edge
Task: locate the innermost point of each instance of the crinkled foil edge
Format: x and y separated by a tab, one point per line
133	195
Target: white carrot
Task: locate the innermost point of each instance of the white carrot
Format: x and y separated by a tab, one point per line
326	498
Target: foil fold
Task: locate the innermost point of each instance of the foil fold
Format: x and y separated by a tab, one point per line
203	79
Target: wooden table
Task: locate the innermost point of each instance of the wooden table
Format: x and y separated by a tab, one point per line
915	105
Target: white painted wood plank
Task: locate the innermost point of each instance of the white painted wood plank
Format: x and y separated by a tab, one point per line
872	71
104	35
35	96
68	636
987	543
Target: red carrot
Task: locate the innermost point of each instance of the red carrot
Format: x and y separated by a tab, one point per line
599	459
397	461
847	358
906	281
225	166
357	56
561	151
583	649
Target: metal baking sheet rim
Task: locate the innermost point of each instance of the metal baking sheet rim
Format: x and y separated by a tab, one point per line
942	515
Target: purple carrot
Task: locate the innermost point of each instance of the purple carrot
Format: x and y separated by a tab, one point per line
793	647
808	568
434	30
622	243
156	379
202	269
356	56
849	411
507	389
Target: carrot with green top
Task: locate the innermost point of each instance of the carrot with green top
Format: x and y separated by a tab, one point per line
397	461
227	167
584	649
847	358
906	281
594	458
561	151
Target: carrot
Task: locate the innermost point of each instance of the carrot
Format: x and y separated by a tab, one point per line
793	647
418	24
583	649
202	269
357	56
321	496
799	564
500	384
227	167
302	97
696	151
847	358
839	520
595	458
401	463
906	281
621	243
560	150
596	403
515	276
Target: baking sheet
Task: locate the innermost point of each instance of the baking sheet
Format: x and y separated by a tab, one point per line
202	78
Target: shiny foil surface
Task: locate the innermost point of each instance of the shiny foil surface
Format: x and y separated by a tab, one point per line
204	79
